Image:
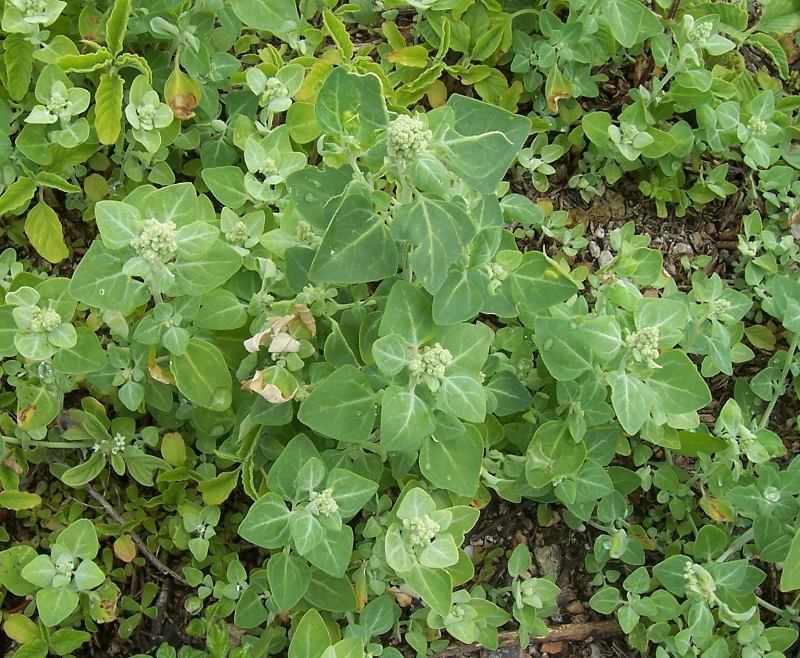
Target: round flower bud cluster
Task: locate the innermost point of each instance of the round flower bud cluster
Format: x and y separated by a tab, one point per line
64	565
643	344
268	167
432	362
324	502
59	106
772	494
306	235
720	307
700	33
157	242
238	234
273	88
699	581
118	445
147	116
497	274
44	320
32	8
629	133
757	126
406	138
422	529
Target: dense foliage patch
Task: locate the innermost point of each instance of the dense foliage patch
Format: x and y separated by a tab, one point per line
287	302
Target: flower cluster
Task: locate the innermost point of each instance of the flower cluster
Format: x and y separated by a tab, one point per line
406	138
628	133
700	33
44	320
432	362
643	345
699	581
323	502
757	126
157	242
273	90
238	234
114	446
422	529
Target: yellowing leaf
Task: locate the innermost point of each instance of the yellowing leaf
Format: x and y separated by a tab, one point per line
45	233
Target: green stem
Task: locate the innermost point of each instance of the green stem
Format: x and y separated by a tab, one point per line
773	608
786	367
45	444
736	546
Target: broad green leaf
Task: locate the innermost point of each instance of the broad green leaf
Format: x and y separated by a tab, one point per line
552	454
631	399
288	577
350	491
480	157
267	522
407	314
351	104
119	223
99	282
12	563
338	32
462	396
539	283
306	531
19	500
333	553
200	275
227	184
55	604
342	406
437	229
434	587
45	233
202	375
630	21
356	247
779	17
18	60
310	638
677	385
562	349
17	196
406	421
332	594
392	353
460	298
790	576
36	407
282	477
454	464
108	108
278	17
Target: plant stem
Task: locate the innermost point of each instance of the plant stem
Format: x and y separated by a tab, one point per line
784	373
45	444
773	608
110	511
736	546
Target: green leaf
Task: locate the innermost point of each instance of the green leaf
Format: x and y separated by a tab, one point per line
202	375
117	25
333	553
18	60
341	407
479	157
407	314
437	229
460	297
454	464
332	594
351	104
199	275
55	604
433	586
462	396
267	522
677	385
99	282
216	490
779	17
552	454
310	638
227	184
539	283
17	196
405	420
36	407
108	108
80	539
773	49
338	32
289	578
279	17
119	223
790	576
356	247
631	400
595	127
630	21
350	491
19	500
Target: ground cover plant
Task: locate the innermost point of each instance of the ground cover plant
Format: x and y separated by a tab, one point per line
301	301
